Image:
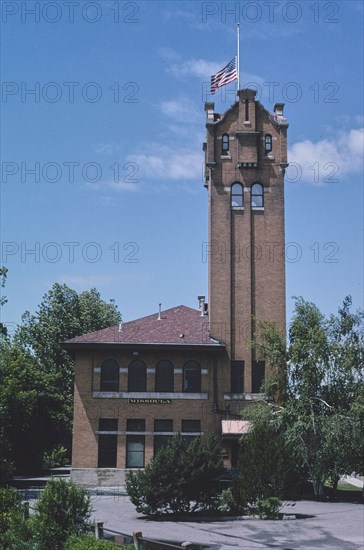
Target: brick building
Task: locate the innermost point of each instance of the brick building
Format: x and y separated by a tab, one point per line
184	370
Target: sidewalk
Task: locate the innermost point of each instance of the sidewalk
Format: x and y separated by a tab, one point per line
334	526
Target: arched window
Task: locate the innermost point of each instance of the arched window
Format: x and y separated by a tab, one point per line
109	379
268	143
164	376
237	195
225	144
137	376
257	195
192	377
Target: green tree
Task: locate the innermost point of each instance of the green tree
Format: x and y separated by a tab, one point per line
266	461
270	344
62	510
61	315
326	368
180	478
15	532
322	411
32	411
3	299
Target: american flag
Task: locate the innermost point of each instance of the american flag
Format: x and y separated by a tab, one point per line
225	76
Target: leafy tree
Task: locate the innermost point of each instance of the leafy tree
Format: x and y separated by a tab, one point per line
32	411
179	479
15	532
62	314
266	461
3	299
326	365
62	510
323	409
270	344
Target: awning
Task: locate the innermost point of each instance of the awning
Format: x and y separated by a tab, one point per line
235	427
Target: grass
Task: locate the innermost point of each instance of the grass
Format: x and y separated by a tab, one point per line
343	486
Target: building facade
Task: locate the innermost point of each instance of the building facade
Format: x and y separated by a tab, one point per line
184	370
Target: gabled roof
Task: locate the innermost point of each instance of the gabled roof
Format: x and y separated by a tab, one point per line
178	326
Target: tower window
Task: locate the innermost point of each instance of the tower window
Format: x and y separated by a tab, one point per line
225	144
258	375
192	377
247	110
257	195
109	380
137	376
268	143
237	195
237	376
164	376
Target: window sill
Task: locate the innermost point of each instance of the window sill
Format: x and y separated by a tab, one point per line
243	396
149	395
237	208
258	208
225	157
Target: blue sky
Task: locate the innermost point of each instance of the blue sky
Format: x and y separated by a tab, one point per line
102	163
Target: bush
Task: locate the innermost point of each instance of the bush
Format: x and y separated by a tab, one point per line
62	510
266	461
15	529
11	509
230	501
56	458
88	542
180	478
268	508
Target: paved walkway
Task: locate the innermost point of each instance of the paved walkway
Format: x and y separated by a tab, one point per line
334	526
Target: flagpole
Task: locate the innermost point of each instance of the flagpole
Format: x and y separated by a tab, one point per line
238	56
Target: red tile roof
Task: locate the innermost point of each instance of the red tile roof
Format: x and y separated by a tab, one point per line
180	325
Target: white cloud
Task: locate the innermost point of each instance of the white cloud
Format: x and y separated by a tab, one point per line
165	163
203	69
182	110
194	67
328	160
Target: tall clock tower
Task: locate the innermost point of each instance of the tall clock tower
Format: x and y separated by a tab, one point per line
245	162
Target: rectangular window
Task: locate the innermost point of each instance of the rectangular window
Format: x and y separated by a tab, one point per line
237	376
161	441
135	445
107	452
163	425
258	375
108	424
191	425
135	425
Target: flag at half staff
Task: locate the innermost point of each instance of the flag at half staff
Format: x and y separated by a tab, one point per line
225	76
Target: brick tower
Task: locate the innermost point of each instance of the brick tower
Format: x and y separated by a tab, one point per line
245	161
